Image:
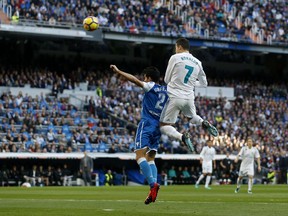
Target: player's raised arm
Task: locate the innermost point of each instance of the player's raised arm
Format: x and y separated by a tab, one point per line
128	76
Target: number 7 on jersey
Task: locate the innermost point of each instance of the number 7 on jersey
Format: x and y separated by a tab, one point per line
189	73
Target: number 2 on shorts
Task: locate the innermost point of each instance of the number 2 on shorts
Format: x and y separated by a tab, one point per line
190	70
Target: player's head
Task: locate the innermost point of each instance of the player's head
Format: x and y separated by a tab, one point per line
209	143
182	45
151	74
249	142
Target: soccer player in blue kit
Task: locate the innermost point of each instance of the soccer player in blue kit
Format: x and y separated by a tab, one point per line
148	131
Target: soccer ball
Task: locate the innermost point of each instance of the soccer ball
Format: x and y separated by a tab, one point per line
91	23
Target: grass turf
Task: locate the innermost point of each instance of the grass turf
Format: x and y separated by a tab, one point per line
172	200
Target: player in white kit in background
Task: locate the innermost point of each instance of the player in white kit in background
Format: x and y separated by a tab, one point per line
184	72
207	159
248	154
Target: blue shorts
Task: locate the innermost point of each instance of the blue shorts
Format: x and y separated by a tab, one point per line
148	135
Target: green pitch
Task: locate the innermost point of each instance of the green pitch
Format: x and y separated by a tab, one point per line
129	201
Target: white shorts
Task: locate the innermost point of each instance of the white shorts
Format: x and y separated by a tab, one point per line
246	171
207	167
173	107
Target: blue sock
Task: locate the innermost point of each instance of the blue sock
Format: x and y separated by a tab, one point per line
146	170
153	170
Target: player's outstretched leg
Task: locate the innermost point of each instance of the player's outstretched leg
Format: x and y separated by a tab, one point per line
155	190
208	178
237	189
186	139
211	129
238	184
250	184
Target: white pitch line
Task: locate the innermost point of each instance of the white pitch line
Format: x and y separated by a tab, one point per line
160	201
108	209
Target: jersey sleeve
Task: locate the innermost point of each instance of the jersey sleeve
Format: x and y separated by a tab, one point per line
240	153
202	153
214	153
202	78
147	86
169	69
257	155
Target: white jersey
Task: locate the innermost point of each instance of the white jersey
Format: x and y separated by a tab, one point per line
248	158
183	73
207	154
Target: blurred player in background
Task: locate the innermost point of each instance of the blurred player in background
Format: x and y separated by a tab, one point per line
184	72
207	159
148	131
248	154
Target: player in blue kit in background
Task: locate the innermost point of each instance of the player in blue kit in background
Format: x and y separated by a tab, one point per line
148	131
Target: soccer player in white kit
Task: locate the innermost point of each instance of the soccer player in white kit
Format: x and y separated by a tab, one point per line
207	157
248	154
184	72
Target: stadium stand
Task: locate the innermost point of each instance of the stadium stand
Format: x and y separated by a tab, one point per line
259	21
24	114
27	123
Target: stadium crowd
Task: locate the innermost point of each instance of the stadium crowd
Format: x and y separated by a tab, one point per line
48	123
168	18
266	104
51	124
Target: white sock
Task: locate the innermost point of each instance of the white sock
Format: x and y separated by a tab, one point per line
200	178
207	181
238	182
171	132
197	120
250	183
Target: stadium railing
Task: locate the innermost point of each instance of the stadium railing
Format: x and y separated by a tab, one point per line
191	31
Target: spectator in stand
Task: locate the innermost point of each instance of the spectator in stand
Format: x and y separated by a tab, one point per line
50	136
172	174
112	149
57	176
55	90
66	176
14	175
33	176
48	176
4	175
186	176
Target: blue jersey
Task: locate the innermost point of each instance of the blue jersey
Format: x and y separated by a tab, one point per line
148	131
154	100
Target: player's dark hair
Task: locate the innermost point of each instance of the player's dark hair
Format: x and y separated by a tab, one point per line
184	43
153	73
